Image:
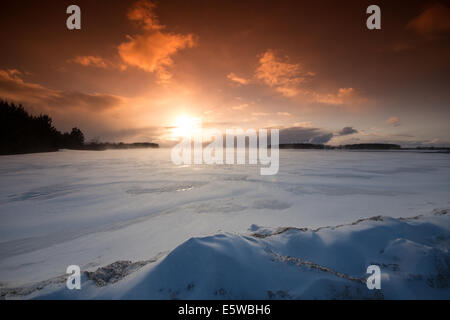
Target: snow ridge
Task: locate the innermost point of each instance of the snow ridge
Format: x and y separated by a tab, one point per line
284	263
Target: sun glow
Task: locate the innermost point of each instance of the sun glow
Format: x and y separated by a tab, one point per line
186	126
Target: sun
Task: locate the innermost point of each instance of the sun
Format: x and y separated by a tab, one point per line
186	126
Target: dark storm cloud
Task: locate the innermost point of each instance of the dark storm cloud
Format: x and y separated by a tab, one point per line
346	131
304	135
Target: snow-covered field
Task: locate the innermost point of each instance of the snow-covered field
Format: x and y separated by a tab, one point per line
213	231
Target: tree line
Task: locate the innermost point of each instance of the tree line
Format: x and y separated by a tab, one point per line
21	132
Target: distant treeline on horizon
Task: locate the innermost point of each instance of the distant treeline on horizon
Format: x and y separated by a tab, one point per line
365	146
358	146
21	132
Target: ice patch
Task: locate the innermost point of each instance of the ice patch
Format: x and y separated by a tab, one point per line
271	204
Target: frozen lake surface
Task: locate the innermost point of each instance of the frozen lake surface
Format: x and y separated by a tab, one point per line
94	208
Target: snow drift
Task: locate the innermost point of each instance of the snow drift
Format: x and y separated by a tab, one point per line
287	263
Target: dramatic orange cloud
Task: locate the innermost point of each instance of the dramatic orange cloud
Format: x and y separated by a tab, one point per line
279	74
394	121
344	95
288	92
432	21
237	79
288	78
143	14
152	50
270	66
86	61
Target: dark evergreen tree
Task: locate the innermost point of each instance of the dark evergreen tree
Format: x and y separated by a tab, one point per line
21	132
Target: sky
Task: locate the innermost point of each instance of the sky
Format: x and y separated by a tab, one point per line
309	68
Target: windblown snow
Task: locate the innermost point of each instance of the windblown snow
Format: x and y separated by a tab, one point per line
140	227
